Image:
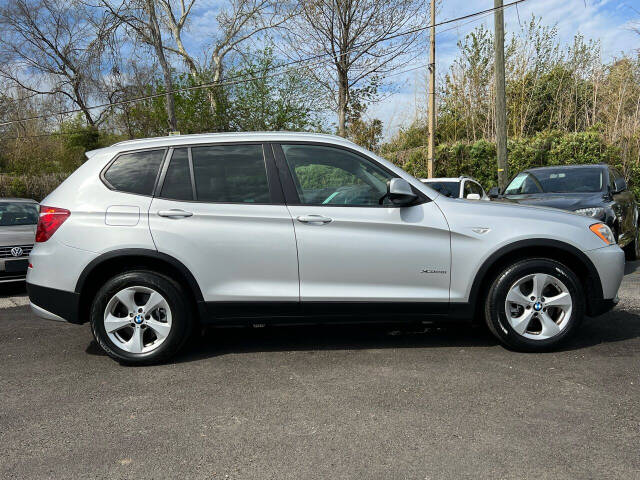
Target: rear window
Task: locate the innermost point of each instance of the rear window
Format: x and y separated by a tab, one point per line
18	213
230	173
135	172
177	181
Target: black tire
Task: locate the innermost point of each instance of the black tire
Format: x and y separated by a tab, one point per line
177	299
496	316
632	250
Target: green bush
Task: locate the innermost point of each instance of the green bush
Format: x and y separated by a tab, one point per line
30	186
478	159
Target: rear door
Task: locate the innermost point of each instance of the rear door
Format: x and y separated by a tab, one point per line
219	210
354	246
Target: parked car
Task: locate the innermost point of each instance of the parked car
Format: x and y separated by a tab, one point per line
461	187
18	219
596	191
150	239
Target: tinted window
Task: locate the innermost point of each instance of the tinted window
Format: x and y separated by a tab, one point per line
557	180
18	213
230	173
332	176
472	187
135	172
450	189
177	181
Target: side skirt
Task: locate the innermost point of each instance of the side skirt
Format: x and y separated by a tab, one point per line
293	313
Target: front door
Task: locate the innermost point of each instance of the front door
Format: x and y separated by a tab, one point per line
218	212
354	246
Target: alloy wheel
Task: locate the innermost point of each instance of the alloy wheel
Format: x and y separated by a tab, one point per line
137	319
538	306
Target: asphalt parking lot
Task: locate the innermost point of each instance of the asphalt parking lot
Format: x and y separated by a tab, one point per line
331	402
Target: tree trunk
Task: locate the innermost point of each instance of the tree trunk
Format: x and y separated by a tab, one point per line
343	101
164	65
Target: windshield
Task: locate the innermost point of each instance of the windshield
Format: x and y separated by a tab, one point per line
450	189
18	213
557	180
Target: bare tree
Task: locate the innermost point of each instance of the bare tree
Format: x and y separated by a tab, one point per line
53	48
362	39
141	17
237	22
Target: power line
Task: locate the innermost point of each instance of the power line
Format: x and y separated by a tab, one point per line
240	78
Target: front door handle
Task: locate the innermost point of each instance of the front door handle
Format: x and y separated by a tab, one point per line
174	213
314	219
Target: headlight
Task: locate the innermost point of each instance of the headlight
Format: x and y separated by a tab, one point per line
595	212
604	232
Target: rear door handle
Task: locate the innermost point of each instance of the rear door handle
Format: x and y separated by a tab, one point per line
314	219
174	213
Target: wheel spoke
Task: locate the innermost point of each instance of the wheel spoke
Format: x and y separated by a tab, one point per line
561	300
521	323
549	327
517	297
155	299
540	280
126	297
113	323
161	329
135	343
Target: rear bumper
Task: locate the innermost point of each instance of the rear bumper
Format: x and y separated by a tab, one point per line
54	304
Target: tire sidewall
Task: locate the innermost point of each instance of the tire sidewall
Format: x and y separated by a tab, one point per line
170	290
495	307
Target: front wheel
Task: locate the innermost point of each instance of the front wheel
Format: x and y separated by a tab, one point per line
534	305
141	317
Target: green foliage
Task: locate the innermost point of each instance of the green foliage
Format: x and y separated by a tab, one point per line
478	159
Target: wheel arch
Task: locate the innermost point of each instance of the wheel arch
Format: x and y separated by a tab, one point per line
111	263
562	252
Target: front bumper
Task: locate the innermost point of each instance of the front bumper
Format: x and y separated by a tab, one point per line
53	304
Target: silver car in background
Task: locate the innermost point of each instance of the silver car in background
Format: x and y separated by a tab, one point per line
18	220
151	239
459	187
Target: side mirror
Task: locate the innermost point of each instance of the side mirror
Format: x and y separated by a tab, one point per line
473	196
400	193
621	185
494	192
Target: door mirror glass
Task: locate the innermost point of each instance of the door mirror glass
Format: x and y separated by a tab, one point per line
400	193
494	192
473	196
620	184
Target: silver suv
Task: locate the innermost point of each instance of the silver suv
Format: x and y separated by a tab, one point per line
150	239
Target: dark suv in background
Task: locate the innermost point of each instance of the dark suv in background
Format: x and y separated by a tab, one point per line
597	191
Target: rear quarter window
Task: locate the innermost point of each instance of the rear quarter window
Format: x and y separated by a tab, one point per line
135	172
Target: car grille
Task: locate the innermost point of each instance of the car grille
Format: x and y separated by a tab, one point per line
5	252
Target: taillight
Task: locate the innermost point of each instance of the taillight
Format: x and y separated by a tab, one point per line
50	220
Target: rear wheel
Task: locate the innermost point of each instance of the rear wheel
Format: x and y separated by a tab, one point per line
534	305
141	317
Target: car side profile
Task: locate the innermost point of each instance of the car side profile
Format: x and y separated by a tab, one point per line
150	239
460	187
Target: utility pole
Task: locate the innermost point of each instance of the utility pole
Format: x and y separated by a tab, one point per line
432	89
501	98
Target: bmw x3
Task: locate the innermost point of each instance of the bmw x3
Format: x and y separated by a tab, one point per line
149	240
